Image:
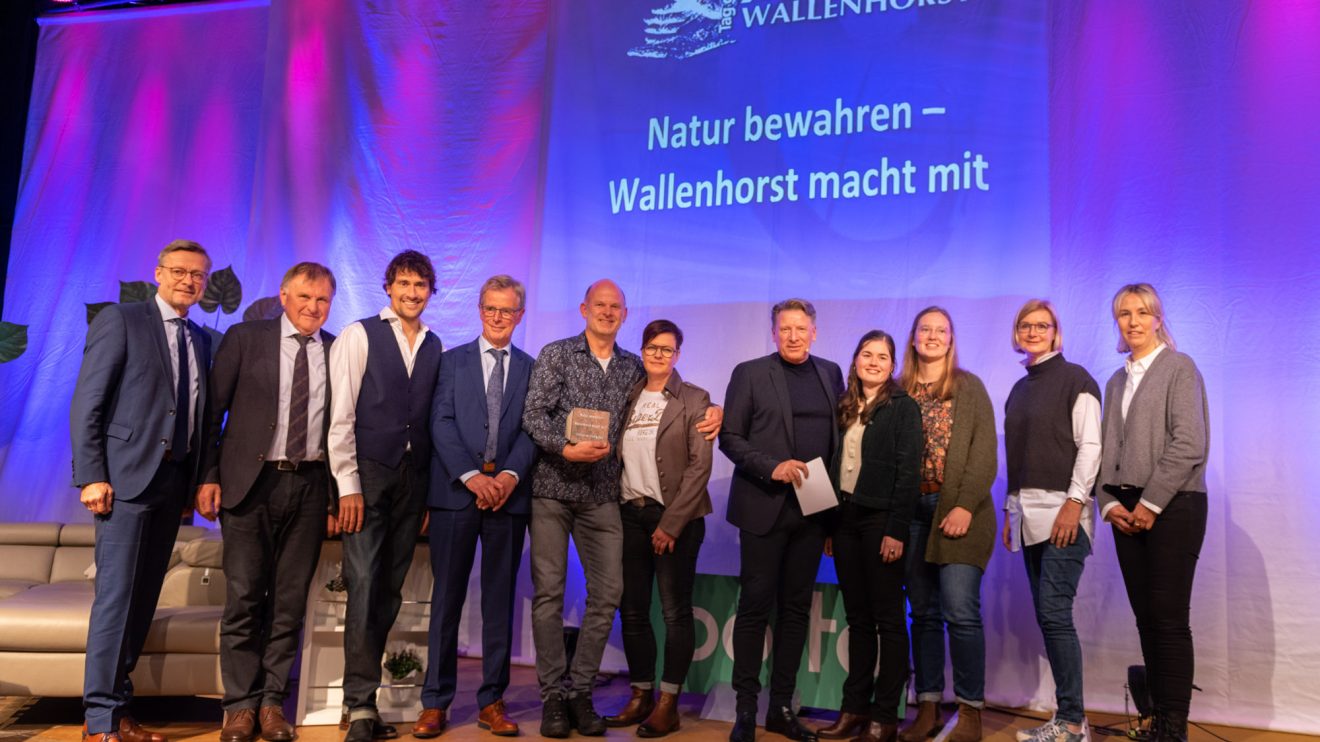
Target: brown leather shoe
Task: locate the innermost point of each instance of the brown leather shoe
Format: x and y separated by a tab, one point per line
240	726
663	719
430	724
131	731
968	728
102	737
927	723
274	727
847	726
495	719
635	711
877	732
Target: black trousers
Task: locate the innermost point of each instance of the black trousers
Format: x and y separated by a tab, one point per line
873	601
673	575
778	571
376	561
1158	566
272	543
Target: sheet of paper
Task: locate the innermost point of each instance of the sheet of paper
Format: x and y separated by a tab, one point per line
816	493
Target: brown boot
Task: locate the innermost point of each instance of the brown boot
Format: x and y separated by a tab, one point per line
877	732
848	725
968	728
663	718
274	727
636	710
927	723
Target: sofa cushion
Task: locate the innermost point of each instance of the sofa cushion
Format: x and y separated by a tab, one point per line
26	562
38	534
208	551
71	563
78	534
186	585
188	533
13	587
53	618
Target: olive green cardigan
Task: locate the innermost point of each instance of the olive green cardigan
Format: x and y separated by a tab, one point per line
970	466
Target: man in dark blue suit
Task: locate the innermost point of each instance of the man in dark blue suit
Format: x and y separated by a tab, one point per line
480	489
138	424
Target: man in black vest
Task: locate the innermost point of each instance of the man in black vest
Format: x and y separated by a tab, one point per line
383	372
266	478
781	414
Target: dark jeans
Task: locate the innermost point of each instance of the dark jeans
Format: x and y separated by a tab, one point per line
873	600
940	595
133	546
778	570
673	574
272	543
1053	574
1158	566
376	561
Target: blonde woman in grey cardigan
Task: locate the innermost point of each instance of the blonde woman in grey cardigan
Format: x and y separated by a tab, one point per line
1155	434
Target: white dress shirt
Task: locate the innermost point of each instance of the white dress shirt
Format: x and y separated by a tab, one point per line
1031	512
484	347
167	315
348	364
316	377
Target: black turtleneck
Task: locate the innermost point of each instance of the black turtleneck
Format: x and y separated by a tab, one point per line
813	417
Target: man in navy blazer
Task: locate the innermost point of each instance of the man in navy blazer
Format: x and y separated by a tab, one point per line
138	424
781	413
480	489
265	477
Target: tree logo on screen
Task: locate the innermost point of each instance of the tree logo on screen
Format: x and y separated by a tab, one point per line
686	28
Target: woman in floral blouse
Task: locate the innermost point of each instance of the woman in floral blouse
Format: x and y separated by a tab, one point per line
953	530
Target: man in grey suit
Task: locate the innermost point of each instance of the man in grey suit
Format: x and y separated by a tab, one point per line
137	427
266	479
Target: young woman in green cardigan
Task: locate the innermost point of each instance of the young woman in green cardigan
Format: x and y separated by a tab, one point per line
953	529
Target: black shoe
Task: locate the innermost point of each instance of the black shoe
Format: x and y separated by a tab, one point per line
744	727
783	721
362	730
1169	727
554	718
584	716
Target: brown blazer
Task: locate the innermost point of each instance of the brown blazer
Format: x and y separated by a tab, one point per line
682	455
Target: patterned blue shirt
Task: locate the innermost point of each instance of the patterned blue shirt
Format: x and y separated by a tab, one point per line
567	375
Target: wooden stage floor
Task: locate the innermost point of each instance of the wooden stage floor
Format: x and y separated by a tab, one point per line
195	720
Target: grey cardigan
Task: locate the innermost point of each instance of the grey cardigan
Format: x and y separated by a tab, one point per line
1163	443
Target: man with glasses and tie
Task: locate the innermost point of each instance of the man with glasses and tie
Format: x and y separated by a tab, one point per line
138	428
480	490
265	477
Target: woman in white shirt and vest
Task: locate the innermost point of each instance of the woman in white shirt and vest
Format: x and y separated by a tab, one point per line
1156	433
1052	446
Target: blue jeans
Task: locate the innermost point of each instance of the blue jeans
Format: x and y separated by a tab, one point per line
940	595
1053	574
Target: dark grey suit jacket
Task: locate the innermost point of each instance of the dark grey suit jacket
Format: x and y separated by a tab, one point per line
758	434
245	384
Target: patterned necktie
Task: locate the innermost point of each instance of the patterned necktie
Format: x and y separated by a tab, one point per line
182	398
295	445
494	398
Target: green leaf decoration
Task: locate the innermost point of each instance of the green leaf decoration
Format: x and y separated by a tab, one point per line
136	291
268	307
222	290
13	341
94	309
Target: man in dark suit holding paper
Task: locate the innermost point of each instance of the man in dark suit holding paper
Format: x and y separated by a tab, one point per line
266	479
138	427
781	414
481	488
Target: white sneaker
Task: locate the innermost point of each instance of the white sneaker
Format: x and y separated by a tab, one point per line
1054	730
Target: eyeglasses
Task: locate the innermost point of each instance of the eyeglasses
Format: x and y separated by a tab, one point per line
664	351
179	274
1040	327
503	312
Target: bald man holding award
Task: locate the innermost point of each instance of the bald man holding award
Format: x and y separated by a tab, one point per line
576	397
